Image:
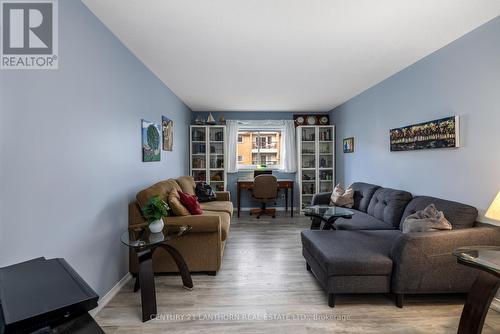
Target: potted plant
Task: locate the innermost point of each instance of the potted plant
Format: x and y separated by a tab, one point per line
154	210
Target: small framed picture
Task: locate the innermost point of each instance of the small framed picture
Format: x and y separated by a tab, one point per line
348	145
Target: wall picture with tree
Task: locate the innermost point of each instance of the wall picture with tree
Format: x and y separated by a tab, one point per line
151	139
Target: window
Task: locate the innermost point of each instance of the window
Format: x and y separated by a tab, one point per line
259	147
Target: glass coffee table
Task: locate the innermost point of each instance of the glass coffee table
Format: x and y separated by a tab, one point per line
483	290
144	244
326	214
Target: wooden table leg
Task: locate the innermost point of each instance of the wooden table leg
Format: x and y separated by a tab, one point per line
147	282
291	200
478	303
286	199
181	264
238	198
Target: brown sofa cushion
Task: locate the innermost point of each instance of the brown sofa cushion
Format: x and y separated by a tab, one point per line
187	184
225	221
175	204
161	189
218	206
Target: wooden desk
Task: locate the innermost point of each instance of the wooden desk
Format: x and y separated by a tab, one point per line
286	184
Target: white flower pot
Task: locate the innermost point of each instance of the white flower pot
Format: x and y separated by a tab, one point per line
156	226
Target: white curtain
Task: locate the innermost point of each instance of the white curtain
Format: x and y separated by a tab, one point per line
288	148
232	146
288	145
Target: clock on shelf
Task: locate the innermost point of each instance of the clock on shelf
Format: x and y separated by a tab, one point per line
311	119
324	120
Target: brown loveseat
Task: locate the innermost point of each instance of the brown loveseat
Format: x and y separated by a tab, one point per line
203	247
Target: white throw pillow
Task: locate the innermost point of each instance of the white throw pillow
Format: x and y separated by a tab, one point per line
341	197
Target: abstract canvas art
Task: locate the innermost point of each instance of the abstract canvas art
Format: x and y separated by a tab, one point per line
151	135
441	133
168	134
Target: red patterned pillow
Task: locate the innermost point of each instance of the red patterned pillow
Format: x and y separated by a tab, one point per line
191	203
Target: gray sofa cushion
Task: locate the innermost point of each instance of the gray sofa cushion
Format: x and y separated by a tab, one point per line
351	253
458	214
388	205
362	221
363	193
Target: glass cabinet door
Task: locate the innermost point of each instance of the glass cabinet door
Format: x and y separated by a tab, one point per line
308	148
308	134
198	134
199	175
216	156
326	161
217	180
198	153
216	148
308	186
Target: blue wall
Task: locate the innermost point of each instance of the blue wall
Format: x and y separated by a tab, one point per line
70	142
462	79
246	200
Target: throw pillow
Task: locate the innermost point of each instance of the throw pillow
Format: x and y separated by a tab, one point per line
428	219
175	204
341	197
191	203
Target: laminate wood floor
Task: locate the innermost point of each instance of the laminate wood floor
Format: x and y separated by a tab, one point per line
264	287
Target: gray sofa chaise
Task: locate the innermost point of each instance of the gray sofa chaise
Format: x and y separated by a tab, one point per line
370	254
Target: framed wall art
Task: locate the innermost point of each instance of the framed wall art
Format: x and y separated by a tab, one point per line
151	135
168	133
440	133
348	145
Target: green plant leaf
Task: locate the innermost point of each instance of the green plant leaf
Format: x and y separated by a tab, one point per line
155	209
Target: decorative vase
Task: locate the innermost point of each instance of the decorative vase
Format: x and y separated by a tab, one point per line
156	226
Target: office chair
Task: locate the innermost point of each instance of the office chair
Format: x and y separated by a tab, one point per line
265	189
262	172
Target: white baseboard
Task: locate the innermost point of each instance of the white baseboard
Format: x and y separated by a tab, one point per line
111	293
495	304
278	208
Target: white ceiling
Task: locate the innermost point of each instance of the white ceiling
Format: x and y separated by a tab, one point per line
284	55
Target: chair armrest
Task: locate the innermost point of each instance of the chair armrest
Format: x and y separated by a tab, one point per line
423	262
223	196
199	223
321	198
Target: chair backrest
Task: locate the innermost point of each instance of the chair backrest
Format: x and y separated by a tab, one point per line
261	172
265	187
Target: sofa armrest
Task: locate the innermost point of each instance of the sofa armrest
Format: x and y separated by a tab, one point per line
423	262
199	223
321	198
223	196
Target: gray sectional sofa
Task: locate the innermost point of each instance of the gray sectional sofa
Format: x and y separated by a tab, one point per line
370	254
